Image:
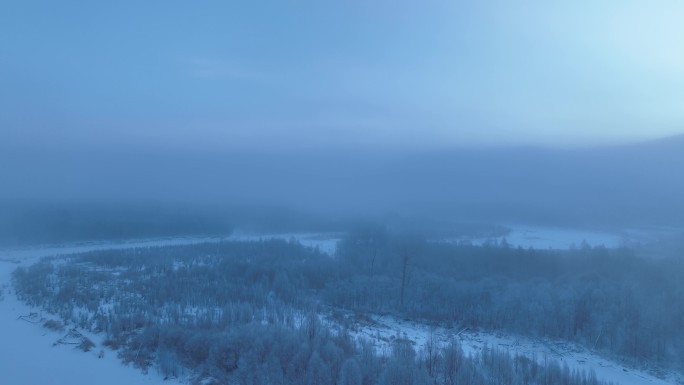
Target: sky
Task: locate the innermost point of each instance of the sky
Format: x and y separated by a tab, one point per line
313	74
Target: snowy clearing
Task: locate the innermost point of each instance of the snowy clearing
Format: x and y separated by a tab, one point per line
382	331
536	237
326	243
28	357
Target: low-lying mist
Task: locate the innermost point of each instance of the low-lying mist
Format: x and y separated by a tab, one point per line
129	192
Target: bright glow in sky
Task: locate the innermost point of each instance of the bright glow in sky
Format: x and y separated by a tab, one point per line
314	73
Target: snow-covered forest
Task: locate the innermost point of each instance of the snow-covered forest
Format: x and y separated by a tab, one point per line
261	312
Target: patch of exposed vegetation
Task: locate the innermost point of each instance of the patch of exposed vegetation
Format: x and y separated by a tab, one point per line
54	325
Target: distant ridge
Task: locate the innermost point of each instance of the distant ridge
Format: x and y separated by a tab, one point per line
674	141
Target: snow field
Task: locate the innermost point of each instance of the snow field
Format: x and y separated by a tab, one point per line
383	330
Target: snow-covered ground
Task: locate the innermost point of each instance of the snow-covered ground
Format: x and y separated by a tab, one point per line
559	238
325	242
27	354
28	357
538	237
28	254
383	330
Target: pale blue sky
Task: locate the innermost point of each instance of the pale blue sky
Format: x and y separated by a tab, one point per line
354	73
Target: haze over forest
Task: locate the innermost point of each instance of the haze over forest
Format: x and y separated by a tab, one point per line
611	187
342	193
562	114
